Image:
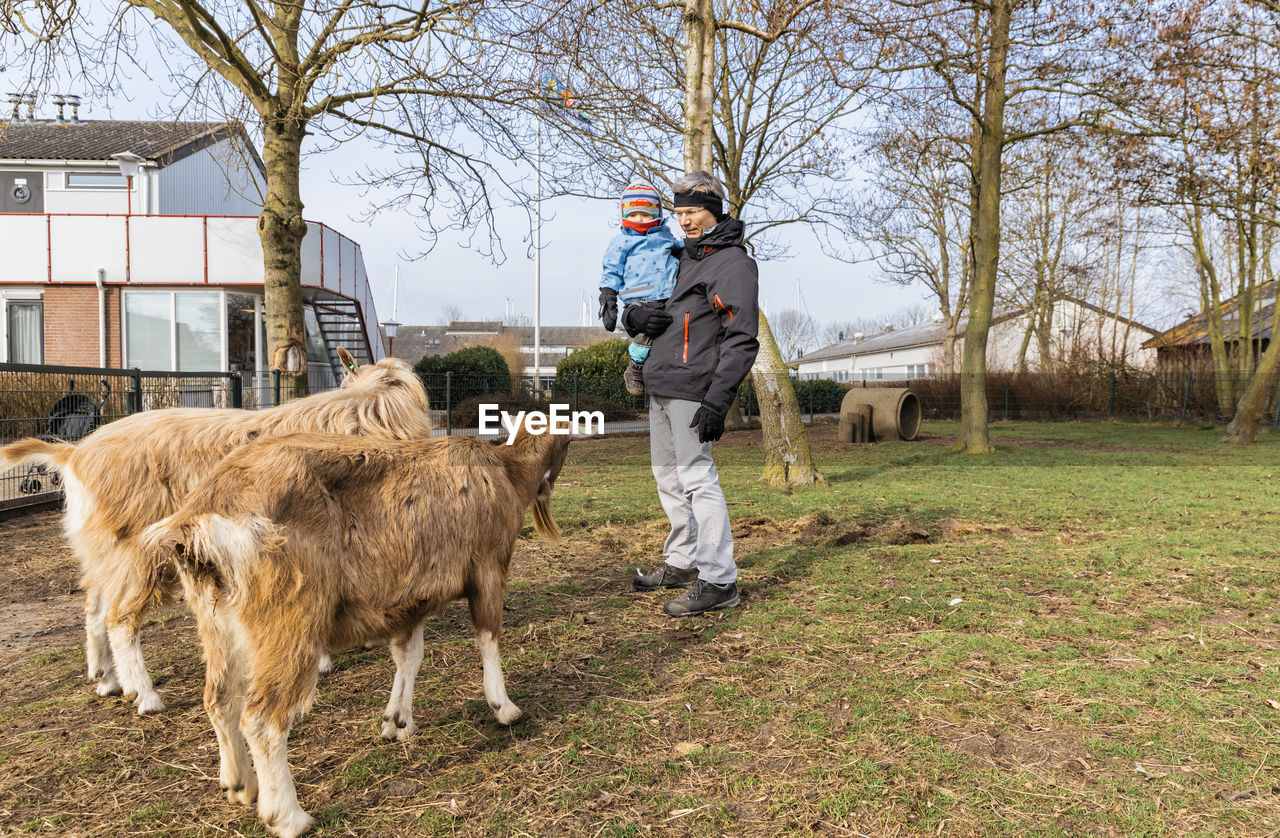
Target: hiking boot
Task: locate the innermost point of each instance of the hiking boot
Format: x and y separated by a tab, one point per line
703	596
633	378
666	576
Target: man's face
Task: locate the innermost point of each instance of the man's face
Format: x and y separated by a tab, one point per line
695	221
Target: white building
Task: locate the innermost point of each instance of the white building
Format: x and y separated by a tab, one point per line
1080	330
162	271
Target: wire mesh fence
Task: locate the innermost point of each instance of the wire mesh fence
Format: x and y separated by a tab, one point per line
1152	396
68	403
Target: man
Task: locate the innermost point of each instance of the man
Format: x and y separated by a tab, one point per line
704	343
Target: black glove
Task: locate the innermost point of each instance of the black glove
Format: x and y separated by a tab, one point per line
709	423
608	308
647	320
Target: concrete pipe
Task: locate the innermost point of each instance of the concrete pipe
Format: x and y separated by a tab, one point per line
895	411
855	423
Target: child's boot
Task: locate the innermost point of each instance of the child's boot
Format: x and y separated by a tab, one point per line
633	378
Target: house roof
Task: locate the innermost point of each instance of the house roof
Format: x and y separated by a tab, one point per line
413	343
927	334
919	335
472	327
163	143
1195	330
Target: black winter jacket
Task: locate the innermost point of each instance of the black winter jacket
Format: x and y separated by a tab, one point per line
711	343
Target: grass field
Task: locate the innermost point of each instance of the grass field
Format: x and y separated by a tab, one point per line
1077	635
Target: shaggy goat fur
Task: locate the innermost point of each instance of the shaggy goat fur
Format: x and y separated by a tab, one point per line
309	542
135	471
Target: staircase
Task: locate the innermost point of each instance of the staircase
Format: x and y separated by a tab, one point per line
341	326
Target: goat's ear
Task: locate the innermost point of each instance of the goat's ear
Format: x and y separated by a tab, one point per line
349	364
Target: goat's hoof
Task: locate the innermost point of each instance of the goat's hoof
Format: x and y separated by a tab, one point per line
149	705
326	665
509	714
243	795
289	824
392	731
106	688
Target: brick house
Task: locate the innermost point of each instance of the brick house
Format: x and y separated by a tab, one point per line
160	271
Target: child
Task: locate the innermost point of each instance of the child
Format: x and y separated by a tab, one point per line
639	269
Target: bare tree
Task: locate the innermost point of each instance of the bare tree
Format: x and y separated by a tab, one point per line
794	332
1046	256
1209	105
768	89
34	42
998	72
421	75
915	221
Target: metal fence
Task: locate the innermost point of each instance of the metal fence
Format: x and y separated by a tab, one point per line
70	402
1182	396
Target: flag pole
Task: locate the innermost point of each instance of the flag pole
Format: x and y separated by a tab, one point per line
537	265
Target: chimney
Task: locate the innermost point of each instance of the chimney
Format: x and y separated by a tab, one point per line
15	99
29	99
74	102
60	102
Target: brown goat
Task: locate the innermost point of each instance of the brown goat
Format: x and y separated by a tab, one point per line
131	473
308	542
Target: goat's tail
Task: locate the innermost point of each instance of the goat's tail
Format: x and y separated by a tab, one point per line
542	520
53	455
207	545
543	453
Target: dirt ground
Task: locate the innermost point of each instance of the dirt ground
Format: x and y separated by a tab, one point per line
40	601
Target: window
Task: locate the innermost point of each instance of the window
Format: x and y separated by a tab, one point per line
148	326
199	322
25	320
242	343
95	180
174	330
917	370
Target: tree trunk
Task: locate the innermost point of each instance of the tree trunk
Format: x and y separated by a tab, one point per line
734	420
1021	367
985	231
700	29
1044	337
788	460
1244	425
281	229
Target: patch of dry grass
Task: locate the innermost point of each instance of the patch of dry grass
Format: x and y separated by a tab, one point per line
1070	639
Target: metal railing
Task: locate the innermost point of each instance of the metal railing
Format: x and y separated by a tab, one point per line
68	403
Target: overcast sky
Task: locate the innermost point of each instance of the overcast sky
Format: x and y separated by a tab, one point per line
574	235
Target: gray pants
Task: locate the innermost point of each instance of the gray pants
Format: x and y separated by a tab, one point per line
689	488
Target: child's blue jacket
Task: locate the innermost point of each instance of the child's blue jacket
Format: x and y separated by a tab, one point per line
641	266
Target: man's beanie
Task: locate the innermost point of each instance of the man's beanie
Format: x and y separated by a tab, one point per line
641	197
